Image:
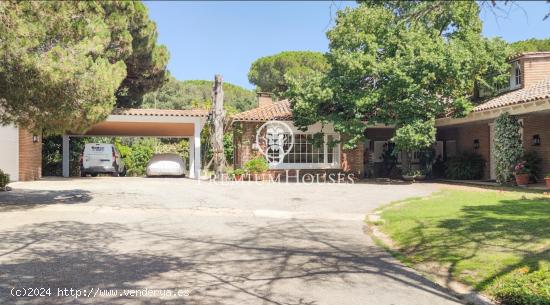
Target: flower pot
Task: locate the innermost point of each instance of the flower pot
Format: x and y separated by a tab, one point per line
408	178
522	179
238	177
547	183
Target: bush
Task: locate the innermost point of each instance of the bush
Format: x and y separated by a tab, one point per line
508	147
466	166
257	165
523	288
4	179
533	162
140	154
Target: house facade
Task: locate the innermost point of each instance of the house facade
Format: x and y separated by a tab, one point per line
20	153
527	98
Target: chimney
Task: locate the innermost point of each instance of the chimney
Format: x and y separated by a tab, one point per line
264	99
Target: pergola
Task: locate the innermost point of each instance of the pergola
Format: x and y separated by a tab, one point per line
149	123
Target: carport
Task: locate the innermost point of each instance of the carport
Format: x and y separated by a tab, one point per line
149	123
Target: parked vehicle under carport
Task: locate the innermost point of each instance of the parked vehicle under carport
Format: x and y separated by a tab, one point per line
98	158
167	164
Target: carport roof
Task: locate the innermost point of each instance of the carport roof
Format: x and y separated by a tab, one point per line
161	112
149	123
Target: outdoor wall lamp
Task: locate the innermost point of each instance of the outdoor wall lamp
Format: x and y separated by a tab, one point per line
34	138
476	144
536	140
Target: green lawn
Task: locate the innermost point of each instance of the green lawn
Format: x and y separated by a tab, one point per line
481	237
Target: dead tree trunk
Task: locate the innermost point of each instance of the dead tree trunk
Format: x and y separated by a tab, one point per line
218	116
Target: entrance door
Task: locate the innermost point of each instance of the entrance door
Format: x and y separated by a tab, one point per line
492	163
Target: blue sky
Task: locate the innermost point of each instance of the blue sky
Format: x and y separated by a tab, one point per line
205	38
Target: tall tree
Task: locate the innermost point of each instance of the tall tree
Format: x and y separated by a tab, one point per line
268	73
531	45
146	63
189	94
402	64
62	63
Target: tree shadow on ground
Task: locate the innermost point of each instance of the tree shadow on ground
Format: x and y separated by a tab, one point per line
21	199
517	228
256	266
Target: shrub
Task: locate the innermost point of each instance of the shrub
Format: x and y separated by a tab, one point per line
533	162
508	147
466	166
138	159
257	165
523	288
236	172
4	179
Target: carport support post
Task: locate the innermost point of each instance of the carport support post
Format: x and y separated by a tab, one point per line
197	155
65	156
192	157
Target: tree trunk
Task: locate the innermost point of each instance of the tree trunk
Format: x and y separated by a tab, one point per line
218	115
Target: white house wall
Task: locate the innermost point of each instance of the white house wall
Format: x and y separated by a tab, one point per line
9	151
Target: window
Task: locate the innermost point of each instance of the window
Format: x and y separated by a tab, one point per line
306	154
517	73
304	151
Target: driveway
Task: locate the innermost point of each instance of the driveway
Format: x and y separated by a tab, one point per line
178	241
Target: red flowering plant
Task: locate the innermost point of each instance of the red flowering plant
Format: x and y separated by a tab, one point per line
521	168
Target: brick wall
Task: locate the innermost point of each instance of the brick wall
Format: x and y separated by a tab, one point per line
30	156
465	143
465	136
538	124
352	160
534	70
244	136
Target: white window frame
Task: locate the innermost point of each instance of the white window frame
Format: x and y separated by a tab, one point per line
313	129
515	80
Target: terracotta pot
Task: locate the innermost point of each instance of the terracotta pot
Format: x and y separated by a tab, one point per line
522	179
238	177
547	183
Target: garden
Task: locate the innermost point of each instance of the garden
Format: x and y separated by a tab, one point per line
495	241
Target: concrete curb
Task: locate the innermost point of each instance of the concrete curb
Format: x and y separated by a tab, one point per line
457	289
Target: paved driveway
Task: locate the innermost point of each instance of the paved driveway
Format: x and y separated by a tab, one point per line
211	244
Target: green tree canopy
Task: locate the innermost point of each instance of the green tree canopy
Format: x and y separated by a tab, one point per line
64	64
399	63
531	45
189	94
268	73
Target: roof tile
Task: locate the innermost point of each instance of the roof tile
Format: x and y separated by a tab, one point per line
538	91
276	111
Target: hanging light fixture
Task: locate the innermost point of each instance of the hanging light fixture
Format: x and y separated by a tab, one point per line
536	140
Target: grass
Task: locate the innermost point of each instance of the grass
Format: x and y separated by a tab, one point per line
479	237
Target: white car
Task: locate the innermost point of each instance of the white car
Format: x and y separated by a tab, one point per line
168	164
101	158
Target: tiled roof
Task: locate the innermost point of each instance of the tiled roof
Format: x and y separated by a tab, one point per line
161	112
538	91
529	55
276	111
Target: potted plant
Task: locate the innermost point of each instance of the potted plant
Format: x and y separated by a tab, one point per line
238	174
256	167
521	172
547	179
